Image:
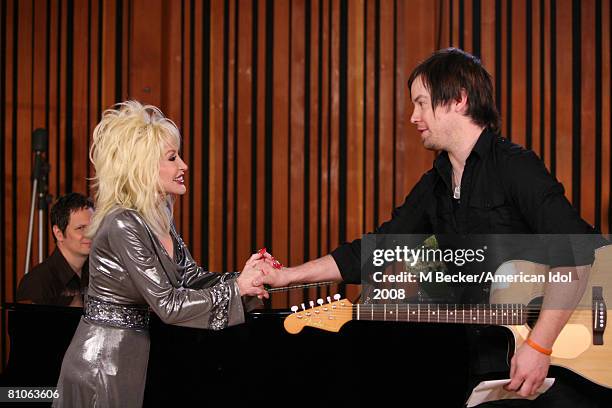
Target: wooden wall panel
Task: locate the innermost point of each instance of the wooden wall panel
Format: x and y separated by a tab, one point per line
294	114
22	114
78	135
313	101
296	147
145	64
245	145
184	120
262	155
229	213
533	48
10	183
518	73
386	111
198	168
603	112
313	25
586	168
325	127
564	119
412	160
216	159
548	44
279	246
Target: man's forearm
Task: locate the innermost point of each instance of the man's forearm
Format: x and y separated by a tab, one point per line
560	301
549	325
317	270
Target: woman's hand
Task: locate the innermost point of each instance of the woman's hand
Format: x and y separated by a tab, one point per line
275	277
254	268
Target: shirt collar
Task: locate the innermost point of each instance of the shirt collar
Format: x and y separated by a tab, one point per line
65	273
483	145
482	148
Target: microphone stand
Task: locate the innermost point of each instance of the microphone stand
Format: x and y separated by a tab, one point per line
40	188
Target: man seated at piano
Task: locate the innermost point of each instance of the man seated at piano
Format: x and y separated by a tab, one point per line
62	278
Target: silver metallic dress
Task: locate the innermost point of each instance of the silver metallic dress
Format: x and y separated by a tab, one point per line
130	274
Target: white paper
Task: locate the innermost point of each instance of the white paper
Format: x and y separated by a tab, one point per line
494	390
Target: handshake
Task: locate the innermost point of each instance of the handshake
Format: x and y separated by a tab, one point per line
261	268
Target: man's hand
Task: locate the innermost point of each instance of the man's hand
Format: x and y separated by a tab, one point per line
318	270
276	275
275	278
528	369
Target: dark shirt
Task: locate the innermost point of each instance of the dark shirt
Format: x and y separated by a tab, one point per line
53	282
505	189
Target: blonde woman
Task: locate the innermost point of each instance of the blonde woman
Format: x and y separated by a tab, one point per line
138	262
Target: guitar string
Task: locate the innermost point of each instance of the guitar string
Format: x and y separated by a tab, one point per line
303	286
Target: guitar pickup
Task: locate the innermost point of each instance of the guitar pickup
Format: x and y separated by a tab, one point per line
600	315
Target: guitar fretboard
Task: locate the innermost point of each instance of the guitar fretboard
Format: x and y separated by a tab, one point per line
499	314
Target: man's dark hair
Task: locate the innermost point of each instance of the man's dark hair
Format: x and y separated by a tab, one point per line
446	72
64	206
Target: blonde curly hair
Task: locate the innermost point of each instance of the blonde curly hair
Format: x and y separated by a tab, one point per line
127	147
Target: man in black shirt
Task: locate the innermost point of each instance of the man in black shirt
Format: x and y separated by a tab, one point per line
62	278
480	183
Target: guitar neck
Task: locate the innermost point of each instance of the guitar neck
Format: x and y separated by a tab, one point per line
498	314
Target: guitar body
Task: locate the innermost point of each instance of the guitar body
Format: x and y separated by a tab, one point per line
574	348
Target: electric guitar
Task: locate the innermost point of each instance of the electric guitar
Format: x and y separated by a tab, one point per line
583	346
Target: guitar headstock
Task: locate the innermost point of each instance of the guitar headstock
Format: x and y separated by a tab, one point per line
330	316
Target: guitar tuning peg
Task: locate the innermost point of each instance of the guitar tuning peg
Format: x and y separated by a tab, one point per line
311	303
328	299
303	307
337	296
294	309
320	301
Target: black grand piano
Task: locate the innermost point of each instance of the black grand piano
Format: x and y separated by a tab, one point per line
259	362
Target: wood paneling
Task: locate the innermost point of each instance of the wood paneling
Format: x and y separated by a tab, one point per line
294	114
